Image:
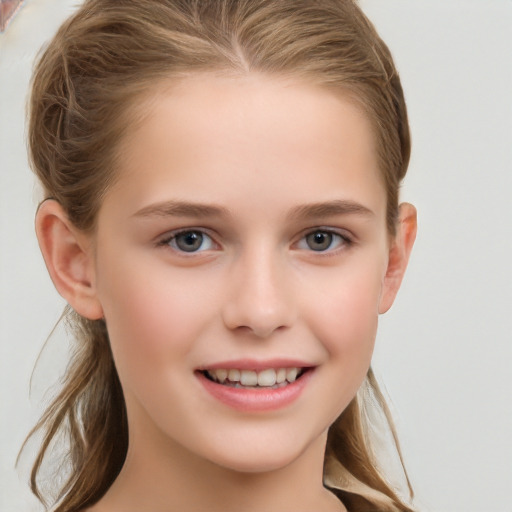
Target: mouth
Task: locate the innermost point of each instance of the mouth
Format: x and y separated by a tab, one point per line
269	378
253	387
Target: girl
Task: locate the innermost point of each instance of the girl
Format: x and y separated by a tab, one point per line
221	214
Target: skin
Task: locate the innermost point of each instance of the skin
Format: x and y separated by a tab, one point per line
261	150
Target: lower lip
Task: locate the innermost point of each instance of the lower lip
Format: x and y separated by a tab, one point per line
255	400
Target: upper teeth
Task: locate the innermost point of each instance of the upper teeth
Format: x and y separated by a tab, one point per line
268	377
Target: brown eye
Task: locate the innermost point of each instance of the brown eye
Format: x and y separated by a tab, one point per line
319	240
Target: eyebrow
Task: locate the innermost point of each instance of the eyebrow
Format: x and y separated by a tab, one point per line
182	209
301	212
330	209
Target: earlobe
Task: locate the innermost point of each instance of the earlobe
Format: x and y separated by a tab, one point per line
399	255
68	258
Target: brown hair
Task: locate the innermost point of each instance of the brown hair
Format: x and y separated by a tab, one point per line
99	65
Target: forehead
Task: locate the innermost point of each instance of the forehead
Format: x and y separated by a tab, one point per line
220	137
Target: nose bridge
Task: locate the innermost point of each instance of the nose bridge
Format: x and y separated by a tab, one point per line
260	300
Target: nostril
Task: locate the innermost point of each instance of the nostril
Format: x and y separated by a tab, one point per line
257	304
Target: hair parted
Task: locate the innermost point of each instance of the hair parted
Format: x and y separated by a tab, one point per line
86	86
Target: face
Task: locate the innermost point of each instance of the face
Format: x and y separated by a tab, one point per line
239	262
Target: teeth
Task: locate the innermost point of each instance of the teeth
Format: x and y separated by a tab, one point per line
221	375
291	374
248	378
267	378
233	375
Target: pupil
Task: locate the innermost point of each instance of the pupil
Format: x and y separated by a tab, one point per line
190	241
319	241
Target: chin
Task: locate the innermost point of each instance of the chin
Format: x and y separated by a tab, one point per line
256	465
262	457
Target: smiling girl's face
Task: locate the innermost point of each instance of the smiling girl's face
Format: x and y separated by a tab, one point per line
244	242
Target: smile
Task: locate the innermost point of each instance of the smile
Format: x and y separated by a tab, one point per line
256	390
272	378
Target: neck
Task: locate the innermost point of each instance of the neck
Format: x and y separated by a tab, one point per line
176	479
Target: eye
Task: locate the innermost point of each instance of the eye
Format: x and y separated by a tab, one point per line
189	241
322	240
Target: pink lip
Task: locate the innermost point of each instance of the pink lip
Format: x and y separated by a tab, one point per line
256	400
256	365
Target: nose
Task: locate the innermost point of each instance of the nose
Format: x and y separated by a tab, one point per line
260	299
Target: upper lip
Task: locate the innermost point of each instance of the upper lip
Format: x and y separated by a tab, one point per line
257	365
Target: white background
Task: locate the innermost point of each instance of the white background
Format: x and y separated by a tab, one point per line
444	351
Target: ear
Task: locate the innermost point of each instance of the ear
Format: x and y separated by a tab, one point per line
399	253
68	255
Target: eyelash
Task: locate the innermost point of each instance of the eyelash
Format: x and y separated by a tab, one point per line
172	237
344	241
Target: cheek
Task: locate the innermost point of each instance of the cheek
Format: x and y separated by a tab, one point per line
344	317
153	316
348	325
